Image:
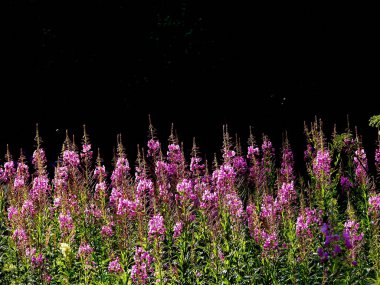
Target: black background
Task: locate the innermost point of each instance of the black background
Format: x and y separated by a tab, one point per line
199	64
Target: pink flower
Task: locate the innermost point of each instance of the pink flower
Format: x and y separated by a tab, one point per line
224	178
156	227
100	172
40	187
30	251
144	187
142	266
287	165
38	261
85	250
126	207
253	151
100	190
70	158
350	234
377	160
321	164
268	207
374	205
270	240
177	229
86	151
196	166
28	209
306	221
286	194
115	196
120	172
65	222
107	231
239	164
185	191
19	236
39	157
12	212
19	182
115	267
345	183
153	147
61	177
209	199
8	172
21	176
361	165
234	205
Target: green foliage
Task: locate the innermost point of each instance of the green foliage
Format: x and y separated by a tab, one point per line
374	121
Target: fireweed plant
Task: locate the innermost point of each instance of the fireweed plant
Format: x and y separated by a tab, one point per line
244	218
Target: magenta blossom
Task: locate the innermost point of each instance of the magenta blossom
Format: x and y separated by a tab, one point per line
321	164
142	266
100	172
85	250
177	229
156	227
19	236
345	183
361	165
86	151
70	158
307	221
253	152
107	231
12	213
115	266
286	195
374	205
153	147
66	222
234	205
39	155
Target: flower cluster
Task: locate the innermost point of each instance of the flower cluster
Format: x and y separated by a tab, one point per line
345	183
142	266
85	250
71	158
86	152
307	221
156	227
321	164
361	165
352	239
374	205
177	229
331	247
115	266
153	147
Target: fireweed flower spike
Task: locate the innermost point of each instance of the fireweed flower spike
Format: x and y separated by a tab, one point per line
115	266
177	229
361	166
377	160
321	164
156	227
345	183
374	205
9	170
174	220
142	267
352	239
287	163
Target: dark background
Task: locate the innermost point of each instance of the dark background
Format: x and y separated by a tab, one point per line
199	64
